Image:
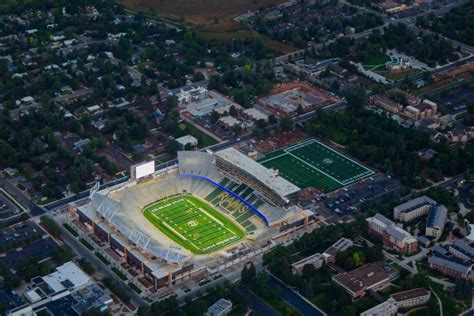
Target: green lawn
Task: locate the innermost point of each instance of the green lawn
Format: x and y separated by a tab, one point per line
119	274
206	140
102	258
375	61
70	229
193	224
86	243
313	164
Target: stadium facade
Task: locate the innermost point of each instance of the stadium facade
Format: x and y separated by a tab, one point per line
251	196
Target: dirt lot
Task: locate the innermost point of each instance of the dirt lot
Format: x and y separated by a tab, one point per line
214	18
200	11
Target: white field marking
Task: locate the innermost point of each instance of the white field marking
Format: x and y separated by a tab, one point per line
272	158
175	231
287	151
203	213
312	141
183	237
213	218
311	166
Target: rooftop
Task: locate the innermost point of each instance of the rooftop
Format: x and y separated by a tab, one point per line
414	204
380	220
387	307
406	295
267	176
67	276
399	233
187	139
463	248
308	260
340	245
366	277
451	265
220	306
437	216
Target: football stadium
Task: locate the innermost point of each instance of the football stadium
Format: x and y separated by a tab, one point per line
209	211
313	164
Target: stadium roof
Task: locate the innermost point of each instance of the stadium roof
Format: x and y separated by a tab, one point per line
267	176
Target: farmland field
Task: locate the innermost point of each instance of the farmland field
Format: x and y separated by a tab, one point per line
193	224
199	11
213	19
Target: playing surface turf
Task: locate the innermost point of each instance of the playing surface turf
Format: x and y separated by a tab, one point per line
314	164
193	224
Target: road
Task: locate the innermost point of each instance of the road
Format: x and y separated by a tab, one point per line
464	47
226	144
444	283
98	265
439	302
450	182
298	302
405	266
257	303
417	257
21	197
411	20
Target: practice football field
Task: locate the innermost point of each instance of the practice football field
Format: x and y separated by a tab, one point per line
314	164
193	224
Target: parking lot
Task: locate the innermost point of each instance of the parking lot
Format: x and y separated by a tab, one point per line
457	100
8	209
348	200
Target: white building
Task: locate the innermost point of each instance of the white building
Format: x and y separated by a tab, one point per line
187	140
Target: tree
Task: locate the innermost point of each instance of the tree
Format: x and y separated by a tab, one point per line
45	268
233	110
237	129
261	124
299	109
11	281
272	119
462	289
172	147
215	116
286	124
249	274
257	133
357	100
198	76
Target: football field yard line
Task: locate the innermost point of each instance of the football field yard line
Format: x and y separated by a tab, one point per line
314	141
347	169
311	166
273	158
174	230
185	238
212	232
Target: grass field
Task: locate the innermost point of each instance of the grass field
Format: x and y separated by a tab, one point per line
193	224
314	164
212	18
200	12
377	65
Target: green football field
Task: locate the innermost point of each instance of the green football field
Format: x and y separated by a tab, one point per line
314	164
193	224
